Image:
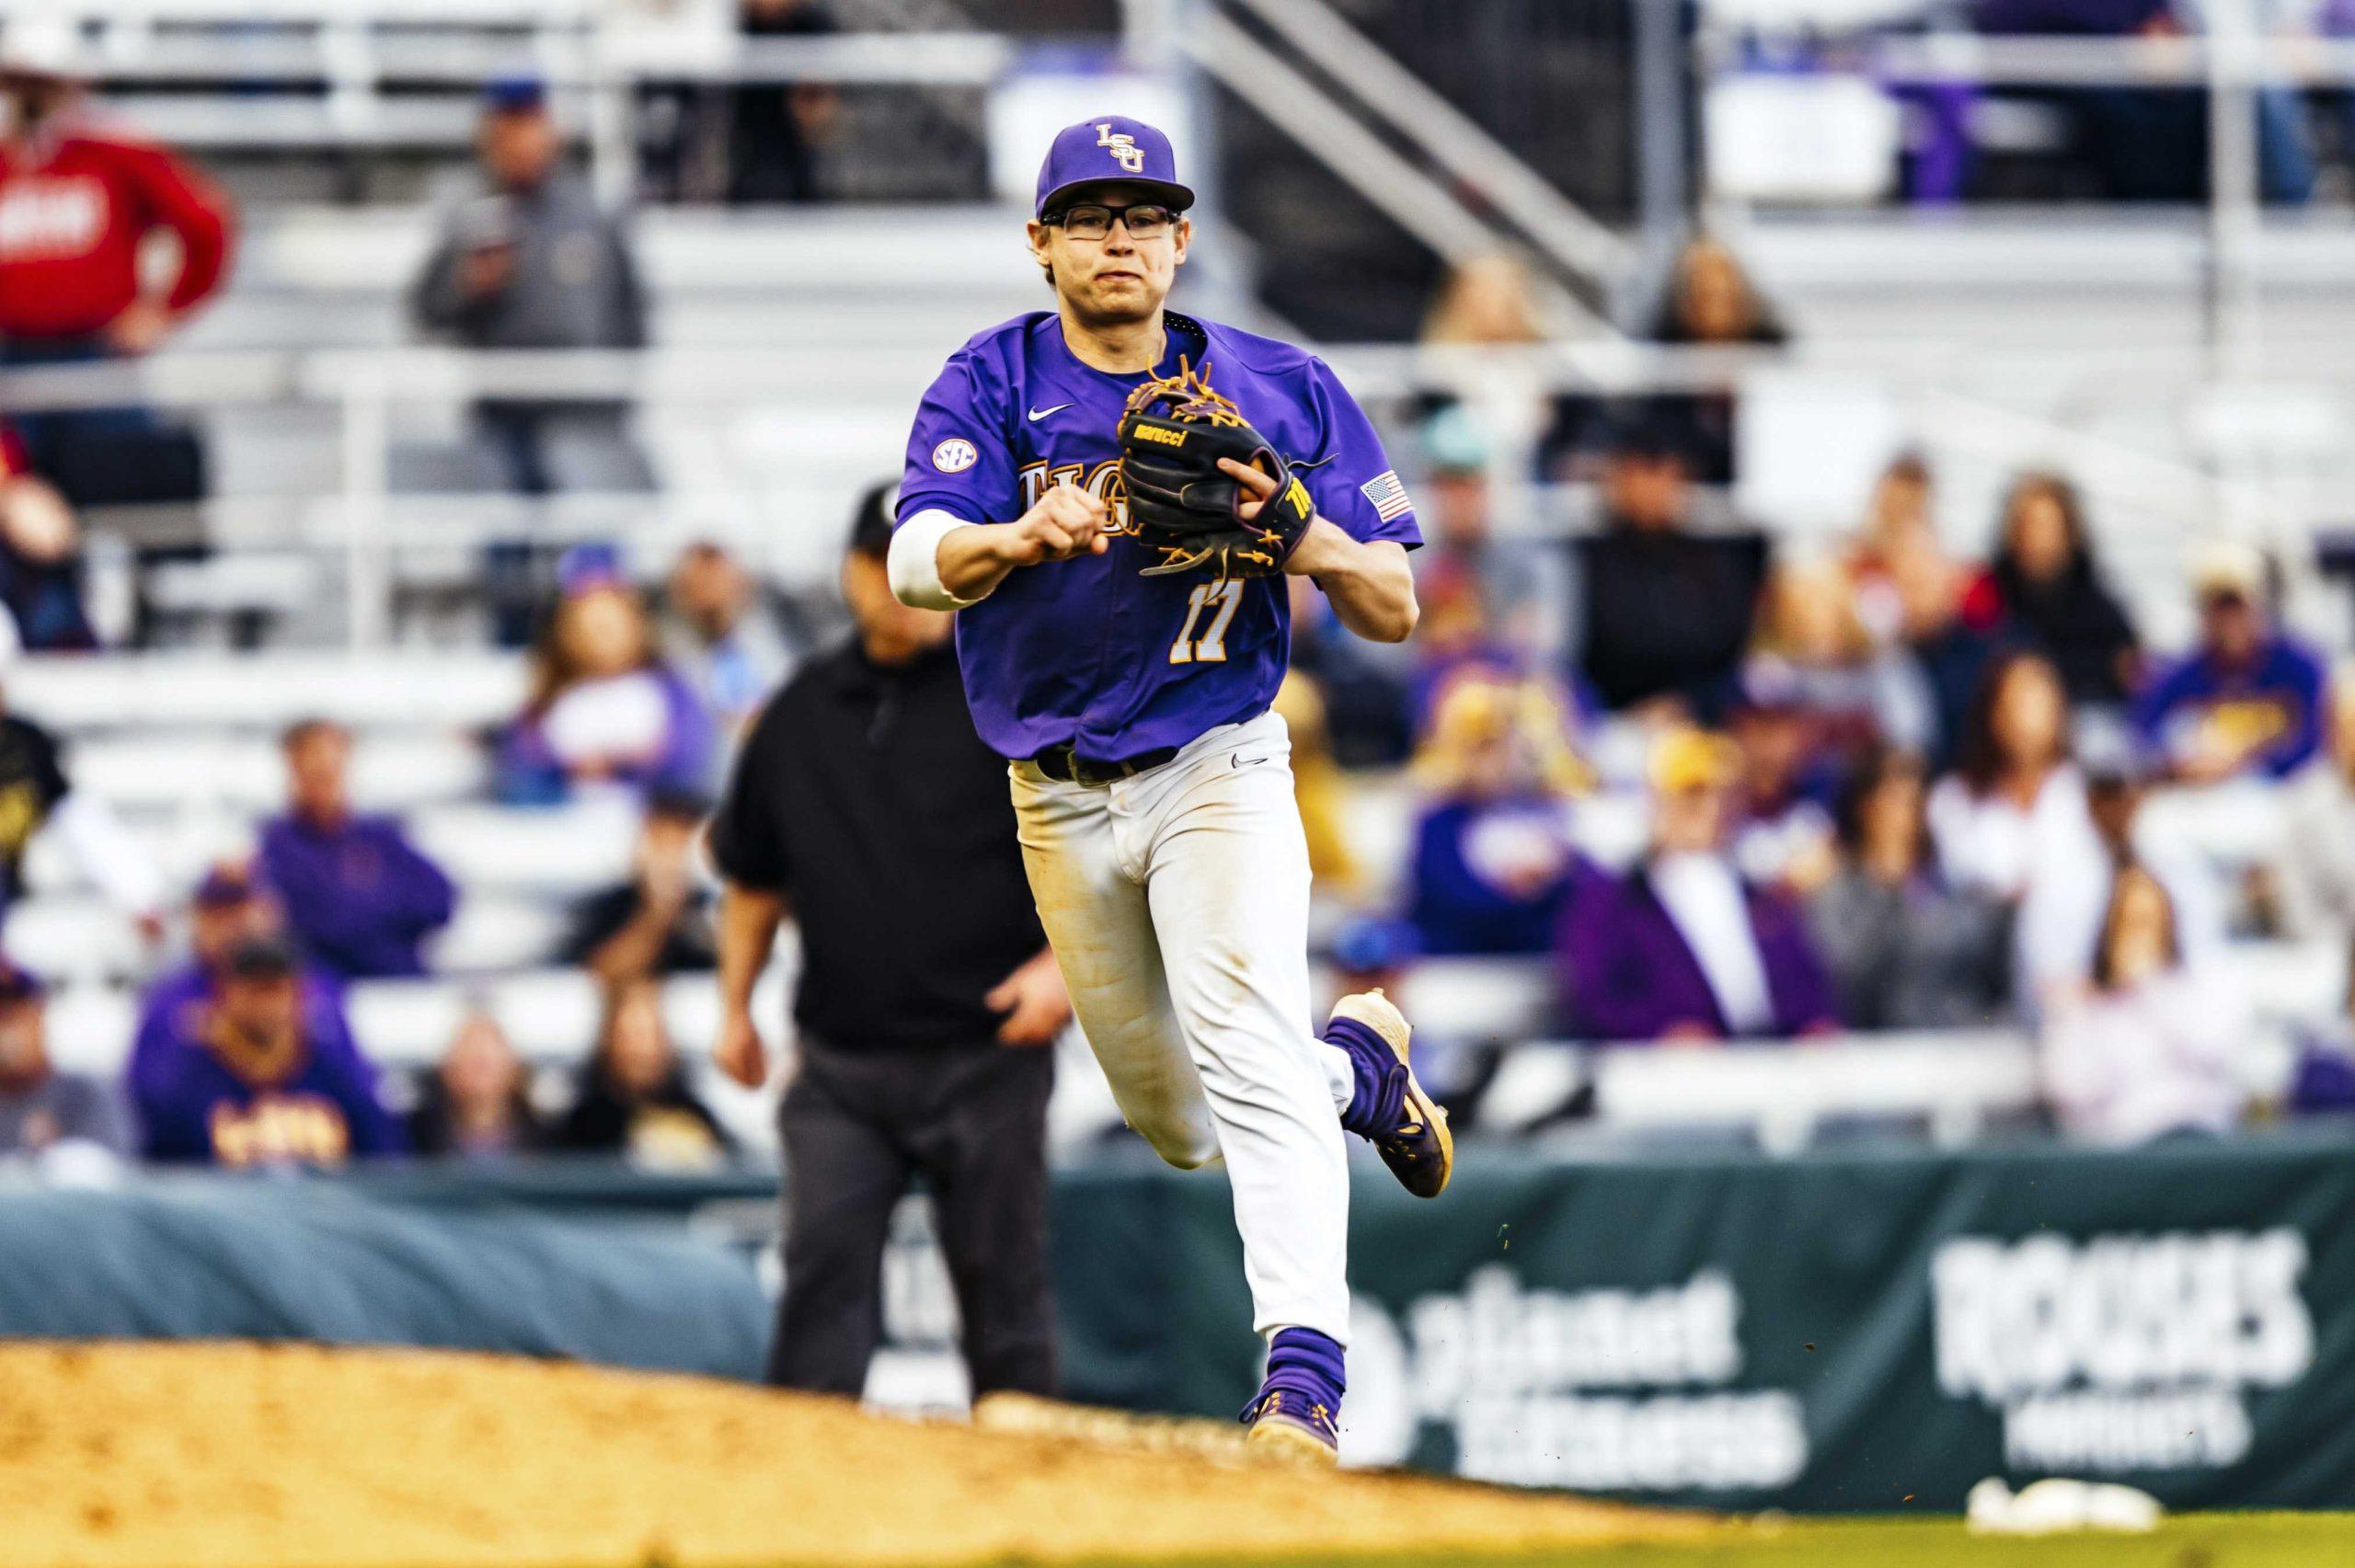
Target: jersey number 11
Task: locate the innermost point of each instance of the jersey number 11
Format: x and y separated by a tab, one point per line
1211	647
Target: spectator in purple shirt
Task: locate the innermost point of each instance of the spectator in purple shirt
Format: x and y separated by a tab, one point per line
264	1072
1681	948
357	895
1492	854
604	711
228	907
231	907
2247	700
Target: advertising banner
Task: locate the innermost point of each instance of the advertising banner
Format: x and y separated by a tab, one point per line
1831	1333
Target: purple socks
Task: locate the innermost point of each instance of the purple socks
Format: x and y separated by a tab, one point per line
1380	1101
1308	1363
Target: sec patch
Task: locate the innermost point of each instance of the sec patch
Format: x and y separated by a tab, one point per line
955	455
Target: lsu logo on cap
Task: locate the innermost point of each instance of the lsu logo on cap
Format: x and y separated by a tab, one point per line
1125	151
955	455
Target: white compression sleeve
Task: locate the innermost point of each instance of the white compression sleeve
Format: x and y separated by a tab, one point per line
915	562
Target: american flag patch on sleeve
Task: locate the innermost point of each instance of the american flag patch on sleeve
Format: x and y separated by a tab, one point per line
1388	495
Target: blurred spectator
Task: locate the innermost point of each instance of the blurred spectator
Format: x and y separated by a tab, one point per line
1680	948
721	636
1812	651
2150	143
79	200
476	1105
2323	1077
1711	299
604	709
1945	621
634	1100
1490	302
659	921
1368	706
2312	872
1487	301
1492	852
1666	611
2149	1048
2059	926
1906	950
777	129
1320	787
1520	583
2016	803
36	794
1789	776
1902	508
2052	589
1814	697
228	907
40	557
358	896
264	1072
41	1108
533	262
2248	699
1710	303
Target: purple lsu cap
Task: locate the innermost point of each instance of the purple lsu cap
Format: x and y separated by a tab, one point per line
1102	152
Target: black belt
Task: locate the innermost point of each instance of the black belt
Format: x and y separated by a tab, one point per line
1065	765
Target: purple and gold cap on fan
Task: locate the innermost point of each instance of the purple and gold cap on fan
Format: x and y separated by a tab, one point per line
1113	149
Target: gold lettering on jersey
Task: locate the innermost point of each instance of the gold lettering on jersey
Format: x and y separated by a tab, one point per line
1103	482
306	1129
1123	146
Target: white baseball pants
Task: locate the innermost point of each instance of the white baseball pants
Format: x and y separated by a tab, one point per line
1178	905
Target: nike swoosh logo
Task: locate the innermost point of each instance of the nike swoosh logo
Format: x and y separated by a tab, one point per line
1248	761
1039	413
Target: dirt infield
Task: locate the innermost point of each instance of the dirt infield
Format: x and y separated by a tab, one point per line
190	1456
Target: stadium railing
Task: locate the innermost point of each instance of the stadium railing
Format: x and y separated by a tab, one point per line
382	76
2234	59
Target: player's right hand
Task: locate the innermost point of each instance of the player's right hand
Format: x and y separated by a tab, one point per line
739	1051
1067	522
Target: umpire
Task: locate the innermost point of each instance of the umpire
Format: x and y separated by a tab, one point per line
865	806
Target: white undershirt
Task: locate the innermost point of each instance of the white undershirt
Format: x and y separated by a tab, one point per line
1703	899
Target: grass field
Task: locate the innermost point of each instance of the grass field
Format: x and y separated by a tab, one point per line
2206	1540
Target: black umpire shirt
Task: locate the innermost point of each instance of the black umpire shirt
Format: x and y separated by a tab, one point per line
865	798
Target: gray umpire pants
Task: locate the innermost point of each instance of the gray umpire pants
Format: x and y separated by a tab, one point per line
859	1124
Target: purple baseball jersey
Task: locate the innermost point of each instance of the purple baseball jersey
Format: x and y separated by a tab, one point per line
1088	651
319	1108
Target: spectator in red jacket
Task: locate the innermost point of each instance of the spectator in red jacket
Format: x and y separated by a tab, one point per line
78	200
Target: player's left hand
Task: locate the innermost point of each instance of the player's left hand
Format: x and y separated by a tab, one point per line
1260	484
1034	1001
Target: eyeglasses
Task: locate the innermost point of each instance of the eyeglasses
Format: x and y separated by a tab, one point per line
1146	220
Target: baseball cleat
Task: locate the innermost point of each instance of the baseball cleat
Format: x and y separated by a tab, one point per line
1417	1147
1291	1428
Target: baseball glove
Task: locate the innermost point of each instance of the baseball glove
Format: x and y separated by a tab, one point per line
1173	432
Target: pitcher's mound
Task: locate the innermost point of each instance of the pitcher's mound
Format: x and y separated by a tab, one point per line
193	1454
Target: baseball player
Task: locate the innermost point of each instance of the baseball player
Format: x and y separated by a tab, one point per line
1113	496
